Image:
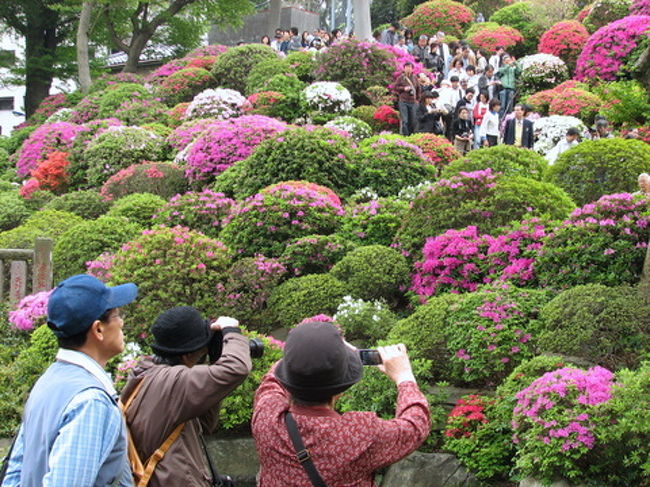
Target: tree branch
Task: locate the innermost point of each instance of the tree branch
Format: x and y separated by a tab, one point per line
13	21
111	29
174	7
135	17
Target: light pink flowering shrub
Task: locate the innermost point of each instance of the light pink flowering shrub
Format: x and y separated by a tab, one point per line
263	223
45	139
223	143
640	7
30	312
555	420
605	52
187	132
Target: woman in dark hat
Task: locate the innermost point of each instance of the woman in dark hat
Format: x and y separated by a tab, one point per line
300	393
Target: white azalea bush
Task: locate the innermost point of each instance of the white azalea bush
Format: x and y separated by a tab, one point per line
219	103
364	320
61	115
328	97
541	72
358	129
550	130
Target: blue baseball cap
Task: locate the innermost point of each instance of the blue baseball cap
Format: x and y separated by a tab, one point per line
80	300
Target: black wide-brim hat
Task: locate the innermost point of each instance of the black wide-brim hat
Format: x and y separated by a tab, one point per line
180	330
317	364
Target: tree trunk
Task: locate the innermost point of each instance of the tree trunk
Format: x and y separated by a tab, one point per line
642	69
362	27
275	14
40	53
138	44
82	46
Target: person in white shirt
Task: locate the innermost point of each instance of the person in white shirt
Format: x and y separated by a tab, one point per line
489	131
457	70
495	59
570	140
472	77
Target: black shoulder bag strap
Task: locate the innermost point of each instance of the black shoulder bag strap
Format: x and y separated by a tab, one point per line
302	454
217	480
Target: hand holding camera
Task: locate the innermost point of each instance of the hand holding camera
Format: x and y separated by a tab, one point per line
215	347
391	360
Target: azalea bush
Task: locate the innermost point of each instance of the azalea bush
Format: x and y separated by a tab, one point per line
445	15
492	37
13	210
245	291
373	222
30	312
521	16
265	70
506	159
313	254
223	143
640	7
187	132
45	224
603	242
184	85
463	260
474	338
87	204
541	71
575	102
598	167
625	102
358	129
290	106
388	164
219	103
49	106
45	139
118	148
328	97
550	130
386	118
124	101
173	267
233	66
204	211
318	156
263	223
607	326
138	208
436	148
159	178
604	53
564	40
51	174
367	321
555	422
479	198
604	12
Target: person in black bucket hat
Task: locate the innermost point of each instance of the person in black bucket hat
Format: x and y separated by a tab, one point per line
175	398
324	447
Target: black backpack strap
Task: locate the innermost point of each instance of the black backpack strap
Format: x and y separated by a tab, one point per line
302	454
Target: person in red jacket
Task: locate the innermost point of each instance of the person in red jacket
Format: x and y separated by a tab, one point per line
345	449
480	109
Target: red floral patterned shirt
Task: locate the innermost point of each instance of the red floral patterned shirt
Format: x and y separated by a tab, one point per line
346	448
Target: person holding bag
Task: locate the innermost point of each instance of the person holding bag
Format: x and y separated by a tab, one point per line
301	439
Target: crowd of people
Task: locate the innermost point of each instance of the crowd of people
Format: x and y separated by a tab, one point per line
74	434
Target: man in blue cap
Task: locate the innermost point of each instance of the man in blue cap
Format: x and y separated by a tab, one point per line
72	432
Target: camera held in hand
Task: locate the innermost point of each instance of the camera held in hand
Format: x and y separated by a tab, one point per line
370	357
215	347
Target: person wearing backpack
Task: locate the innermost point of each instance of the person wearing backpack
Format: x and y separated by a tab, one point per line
170	401
73	433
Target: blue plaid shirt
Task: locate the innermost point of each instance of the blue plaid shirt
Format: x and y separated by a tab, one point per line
90	427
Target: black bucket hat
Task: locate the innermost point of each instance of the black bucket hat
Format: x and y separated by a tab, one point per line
180	330
317	364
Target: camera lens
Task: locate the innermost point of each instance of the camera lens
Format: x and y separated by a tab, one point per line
256	347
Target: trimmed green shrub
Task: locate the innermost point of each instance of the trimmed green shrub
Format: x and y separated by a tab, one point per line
474	338
373	272
264	71
520	16
478	198
138	208
17	137
367	321
265	222
604	12
159	178
172	267
87	204
302	297
313	254
303	64
130	102
389	164
597	167
118	148
87	240
13	210
608	326
47	224
506	159
233	66
373	223
319	156
292	105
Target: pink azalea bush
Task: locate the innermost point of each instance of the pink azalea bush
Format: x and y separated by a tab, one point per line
225	142
490	38
556	419
605	52
160	178
30	312
210	50
444	15
462	260
575	102
187	132
564	40
264	222
47	138
640	7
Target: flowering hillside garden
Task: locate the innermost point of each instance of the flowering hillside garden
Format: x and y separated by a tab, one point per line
286	187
